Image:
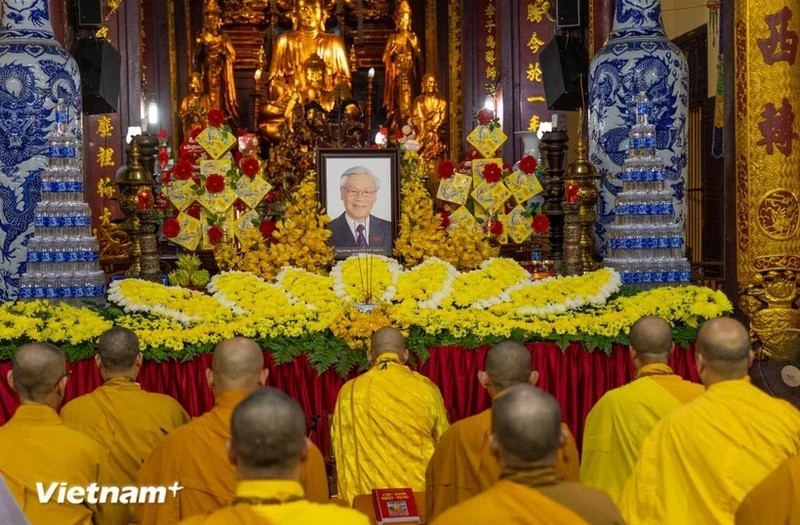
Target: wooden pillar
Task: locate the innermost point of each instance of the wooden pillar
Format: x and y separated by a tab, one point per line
601	18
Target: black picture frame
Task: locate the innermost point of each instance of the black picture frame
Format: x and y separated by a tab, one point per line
384	164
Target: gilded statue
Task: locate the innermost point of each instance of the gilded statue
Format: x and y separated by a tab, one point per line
428	112
400	57
288	78
216	57
195	105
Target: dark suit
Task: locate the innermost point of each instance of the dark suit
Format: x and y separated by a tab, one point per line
379	237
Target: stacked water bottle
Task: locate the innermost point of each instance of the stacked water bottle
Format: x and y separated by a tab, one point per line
62	260
646	244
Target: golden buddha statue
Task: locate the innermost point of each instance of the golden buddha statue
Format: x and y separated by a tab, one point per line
217	56
400	56
428	113
195	105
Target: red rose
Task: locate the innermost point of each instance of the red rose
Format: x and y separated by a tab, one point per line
171	228
143	199
194	211
215	183
183	170
540	223
196	130
162	134
215	235
446	169
398	134
166	177
492	173
485	115
496	228
527	164
571	195
444	219
250	167
216	118
267	228
384	131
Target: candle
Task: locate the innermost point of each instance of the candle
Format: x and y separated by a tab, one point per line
554	121
371	73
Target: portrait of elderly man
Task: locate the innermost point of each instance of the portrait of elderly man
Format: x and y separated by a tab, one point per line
357	229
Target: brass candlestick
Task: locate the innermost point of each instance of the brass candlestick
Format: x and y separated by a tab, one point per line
130	183
583	174
368	106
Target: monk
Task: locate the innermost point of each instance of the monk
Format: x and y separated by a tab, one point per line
120	415
36	446
701	460
622	418
195	454
526	434
463	464
386	422
268	448
774	500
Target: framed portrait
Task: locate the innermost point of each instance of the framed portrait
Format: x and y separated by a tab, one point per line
360	190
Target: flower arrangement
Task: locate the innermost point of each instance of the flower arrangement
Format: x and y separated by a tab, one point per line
366	278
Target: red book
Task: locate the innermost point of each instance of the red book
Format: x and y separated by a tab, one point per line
395	506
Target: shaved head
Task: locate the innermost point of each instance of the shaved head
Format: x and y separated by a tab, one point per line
526	424
651	339
724	344
388	340
508	364
118	349
37	369
268	431
237	364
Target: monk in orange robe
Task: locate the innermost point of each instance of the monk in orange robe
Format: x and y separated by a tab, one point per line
36	446
120	415
774	500
195	455
463	464
386	422
268	447
618	423
700	461
526	434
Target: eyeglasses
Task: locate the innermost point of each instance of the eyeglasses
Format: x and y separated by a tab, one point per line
352	192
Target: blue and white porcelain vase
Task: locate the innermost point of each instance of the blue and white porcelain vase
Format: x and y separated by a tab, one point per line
638	58
35	72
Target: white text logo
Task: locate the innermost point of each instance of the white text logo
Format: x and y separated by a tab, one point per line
95	494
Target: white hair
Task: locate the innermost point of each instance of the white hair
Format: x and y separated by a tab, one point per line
359	170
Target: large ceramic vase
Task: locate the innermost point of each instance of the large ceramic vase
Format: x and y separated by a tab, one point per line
35	71
638	58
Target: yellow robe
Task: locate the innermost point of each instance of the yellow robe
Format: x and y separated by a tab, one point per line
195	455
622	418
385	427
463	464
508	502
699	462
287	507
774	500
126	420
35	446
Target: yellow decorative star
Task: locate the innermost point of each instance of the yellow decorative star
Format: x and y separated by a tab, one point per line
535	43
534	72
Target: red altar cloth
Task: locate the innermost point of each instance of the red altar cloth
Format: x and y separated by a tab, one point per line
577	378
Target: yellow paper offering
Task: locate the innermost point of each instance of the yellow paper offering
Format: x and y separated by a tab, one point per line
219	166
462	219
503	237
218	203
523	186
180	193
245	222
491	195
252	191
519	226
455	189
226	224
478	166
216	141
486	141
191	232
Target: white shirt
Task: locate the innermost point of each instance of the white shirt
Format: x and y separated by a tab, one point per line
353	224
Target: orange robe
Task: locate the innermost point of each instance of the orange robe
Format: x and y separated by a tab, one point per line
35	446
774	500
385	427
126	420
287	507
510	502
618	423
463	464
195	455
